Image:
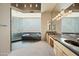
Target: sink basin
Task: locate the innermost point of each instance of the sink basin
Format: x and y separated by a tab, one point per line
72	42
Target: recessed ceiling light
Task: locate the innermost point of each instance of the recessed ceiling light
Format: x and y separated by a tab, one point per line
16	5
36	5
30	5
24	5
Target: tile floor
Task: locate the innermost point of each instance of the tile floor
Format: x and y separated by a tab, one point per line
40	48
22	44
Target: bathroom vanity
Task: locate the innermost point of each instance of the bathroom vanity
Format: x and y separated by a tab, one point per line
61	46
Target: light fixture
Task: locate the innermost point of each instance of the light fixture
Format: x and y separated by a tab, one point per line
66	14
36	5
16	5
59	15
25	5
30	5
62	12
70	11
59	18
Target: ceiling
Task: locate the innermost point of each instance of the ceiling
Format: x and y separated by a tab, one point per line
62	6
54	6
74	7
42	7
47	6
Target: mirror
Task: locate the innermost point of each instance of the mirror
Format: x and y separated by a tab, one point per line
70	23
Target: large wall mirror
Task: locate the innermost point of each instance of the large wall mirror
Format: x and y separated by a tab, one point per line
70	23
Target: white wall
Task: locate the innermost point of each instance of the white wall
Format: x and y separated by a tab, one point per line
4	30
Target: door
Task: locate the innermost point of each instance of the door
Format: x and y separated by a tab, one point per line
4	28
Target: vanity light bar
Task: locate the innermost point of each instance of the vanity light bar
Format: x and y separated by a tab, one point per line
36	5
70	11
59	16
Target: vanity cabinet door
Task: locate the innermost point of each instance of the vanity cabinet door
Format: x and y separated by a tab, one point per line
57	51
51	41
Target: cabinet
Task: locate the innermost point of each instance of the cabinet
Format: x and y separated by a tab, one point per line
49	39
61	50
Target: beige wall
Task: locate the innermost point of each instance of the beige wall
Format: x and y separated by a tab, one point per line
57	22
4	30
45	18
58	26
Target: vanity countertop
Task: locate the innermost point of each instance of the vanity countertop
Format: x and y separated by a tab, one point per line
61	37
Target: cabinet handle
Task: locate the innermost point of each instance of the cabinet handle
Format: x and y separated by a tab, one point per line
2	25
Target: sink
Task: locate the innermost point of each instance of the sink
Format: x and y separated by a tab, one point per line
72	42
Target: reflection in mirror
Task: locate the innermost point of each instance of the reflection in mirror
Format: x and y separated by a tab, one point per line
70	23
53	25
